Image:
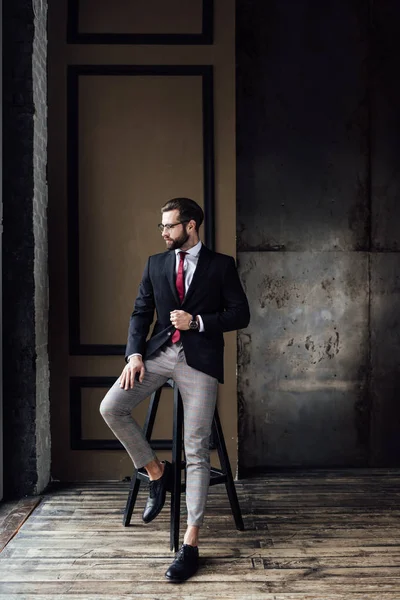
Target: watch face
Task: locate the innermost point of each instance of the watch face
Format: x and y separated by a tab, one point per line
193	325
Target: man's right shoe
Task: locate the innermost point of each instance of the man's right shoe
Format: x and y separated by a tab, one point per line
185	564
157	493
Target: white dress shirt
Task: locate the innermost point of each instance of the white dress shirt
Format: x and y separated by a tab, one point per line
189	267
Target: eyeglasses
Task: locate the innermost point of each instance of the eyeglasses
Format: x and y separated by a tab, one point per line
168	227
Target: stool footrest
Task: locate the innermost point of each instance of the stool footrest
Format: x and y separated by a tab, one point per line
143	476
217	476
214	470
217	479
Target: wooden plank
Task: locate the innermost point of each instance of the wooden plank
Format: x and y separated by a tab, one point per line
13	517
291	579
330	555
119	534
177	593
151	550
211	570
208	588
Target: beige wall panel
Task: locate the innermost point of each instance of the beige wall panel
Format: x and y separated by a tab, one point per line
140	143
86	465
140	16
92	423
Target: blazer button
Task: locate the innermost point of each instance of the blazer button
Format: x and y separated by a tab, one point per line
169	332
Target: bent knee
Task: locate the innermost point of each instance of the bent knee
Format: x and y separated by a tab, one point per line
110	406
104	407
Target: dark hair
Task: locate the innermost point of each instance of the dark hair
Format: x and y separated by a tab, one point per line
188	210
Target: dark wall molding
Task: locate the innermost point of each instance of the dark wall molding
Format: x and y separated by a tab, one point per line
74	74
74	36
75	395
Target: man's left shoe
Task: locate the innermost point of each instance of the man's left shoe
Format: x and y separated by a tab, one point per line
185	564
157	493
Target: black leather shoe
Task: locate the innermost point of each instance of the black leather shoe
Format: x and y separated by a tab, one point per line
185	564
157	492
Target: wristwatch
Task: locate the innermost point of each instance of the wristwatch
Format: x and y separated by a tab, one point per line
193	324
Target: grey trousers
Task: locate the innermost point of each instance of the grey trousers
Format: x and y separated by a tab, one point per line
199	393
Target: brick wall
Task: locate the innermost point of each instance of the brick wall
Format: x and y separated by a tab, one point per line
25	288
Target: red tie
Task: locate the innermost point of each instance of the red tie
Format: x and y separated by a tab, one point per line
180	286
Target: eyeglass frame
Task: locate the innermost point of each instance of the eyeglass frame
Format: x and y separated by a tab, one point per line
169	226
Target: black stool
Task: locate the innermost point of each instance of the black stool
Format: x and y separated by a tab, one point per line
223	475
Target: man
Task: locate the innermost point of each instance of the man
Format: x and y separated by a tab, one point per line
198	296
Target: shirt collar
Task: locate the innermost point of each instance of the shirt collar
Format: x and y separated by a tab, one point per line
193	251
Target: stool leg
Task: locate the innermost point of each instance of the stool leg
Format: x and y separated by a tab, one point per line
151	414
135	483
130	504
226	469
176	470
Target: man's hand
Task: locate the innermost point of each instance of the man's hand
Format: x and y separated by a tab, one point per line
180	319
134	366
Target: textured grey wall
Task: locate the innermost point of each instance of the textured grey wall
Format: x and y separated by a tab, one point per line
318	132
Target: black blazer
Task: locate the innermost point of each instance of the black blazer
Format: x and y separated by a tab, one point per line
215	294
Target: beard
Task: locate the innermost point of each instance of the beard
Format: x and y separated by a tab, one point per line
178	242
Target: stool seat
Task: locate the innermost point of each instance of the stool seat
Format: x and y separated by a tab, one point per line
217	476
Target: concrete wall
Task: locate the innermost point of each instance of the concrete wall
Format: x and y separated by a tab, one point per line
385	234
25	288
318	232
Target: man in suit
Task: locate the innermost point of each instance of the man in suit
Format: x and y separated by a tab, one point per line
198	296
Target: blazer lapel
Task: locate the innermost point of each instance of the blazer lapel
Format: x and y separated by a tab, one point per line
170	273
199	274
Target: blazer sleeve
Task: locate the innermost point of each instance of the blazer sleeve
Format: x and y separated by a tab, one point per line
236	312
142	316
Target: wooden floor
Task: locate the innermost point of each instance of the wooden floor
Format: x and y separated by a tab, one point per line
313	535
